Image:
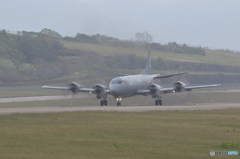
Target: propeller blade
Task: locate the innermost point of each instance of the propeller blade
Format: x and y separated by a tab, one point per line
174	79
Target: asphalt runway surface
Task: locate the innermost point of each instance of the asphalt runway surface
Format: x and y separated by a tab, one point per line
206	106
44	98
201	106
38	98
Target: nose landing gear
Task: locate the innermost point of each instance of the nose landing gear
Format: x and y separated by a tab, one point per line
118	101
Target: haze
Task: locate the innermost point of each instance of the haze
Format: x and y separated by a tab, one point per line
208	23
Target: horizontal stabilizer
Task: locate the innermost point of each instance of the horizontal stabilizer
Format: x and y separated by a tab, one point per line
170	75
122	74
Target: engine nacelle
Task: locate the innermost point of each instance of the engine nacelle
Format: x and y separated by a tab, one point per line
74	87
100	90
155	90
179	86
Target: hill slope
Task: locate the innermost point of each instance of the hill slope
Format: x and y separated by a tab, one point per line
36	56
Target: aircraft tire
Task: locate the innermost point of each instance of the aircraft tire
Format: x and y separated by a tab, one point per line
160	102
101	103
105	102
156	102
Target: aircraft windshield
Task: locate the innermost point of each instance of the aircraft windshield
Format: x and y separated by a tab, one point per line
118	81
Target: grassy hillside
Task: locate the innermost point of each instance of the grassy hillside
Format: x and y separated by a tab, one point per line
212	57
30	56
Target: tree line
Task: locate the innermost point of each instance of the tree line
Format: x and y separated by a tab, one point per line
25	57
30	56
142	40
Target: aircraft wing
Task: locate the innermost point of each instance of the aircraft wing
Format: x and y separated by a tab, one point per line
189	88
88	90
170	75
59	88
147	91
143	92
80	89
172	90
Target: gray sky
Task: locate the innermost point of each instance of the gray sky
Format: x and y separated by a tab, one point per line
212	23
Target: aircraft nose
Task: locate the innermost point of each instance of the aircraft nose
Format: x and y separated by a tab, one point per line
115	90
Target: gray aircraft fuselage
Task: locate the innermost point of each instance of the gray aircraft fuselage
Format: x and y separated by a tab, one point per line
127	86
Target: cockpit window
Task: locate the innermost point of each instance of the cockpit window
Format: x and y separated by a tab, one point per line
118	81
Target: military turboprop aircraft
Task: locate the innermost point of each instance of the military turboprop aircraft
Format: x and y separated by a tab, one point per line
131	85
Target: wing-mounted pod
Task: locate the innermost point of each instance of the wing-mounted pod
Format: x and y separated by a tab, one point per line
101	91
75	87
179	86
155	90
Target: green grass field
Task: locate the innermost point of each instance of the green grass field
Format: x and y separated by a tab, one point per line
155	134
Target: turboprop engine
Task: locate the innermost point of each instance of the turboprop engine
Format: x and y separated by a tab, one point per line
100	90
155	90
74	87
179	86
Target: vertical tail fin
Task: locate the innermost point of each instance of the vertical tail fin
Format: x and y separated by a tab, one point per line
148	68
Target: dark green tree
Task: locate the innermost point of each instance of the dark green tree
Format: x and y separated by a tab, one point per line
51	33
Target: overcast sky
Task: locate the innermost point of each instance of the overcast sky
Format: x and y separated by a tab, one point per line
212	23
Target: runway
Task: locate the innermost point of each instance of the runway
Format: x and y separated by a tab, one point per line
38	98
44	98
206	106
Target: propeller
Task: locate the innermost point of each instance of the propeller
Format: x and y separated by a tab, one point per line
172	81
94	81
96	84
72	90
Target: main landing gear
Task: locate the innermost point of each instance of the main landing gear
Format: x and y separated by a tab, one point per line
158	102
118	103
103	103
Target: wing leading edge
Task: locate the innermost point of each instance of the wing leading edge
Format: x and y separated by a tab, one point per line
88	90
189	88
172	90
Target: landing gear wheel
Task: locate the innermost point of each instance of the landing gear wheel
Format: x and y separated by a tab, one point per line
118	103
160	102
105	102
101	103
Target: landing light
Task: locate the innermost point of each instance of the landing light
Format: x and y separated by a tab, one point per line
173	91
118	99
90	92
